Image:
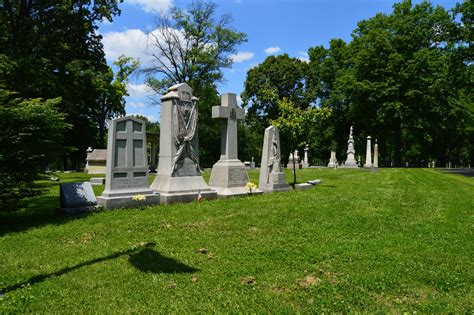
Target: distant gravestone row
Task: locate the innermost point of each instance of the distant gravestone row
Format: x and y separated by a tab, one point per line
350	160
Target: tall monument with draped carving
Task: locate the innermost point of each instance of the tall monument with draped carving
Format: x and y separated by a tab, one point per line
179	176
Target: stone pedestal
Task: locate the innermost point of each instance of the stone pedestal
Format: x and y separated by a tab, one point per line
368	154
332	160
127	183
350	161
272	179
229	175
179	176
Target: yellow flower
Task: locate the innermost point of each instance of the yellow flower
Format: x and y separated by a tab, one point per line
250	187
138	197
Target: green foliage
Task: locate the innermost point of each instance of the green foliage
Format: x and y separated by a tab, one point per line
32	132
193	45
56	52
404	79
337	248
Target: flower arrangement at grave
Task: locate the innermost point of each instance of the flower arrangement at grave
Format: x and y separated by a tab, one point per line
138	198
250	188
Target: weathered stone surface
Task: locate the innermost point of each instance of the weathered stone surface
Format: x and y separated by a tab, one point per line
315	182
376	154
272	179
303	186
97	181
229	175
332	160
368	154
179	176
127	166
350	161
76	198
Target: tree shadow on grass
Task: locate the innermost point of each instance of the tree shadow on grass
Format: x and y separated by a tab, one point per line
149	260
142	257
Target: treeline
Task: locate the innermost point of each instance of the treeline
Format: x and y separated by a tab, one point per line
405	79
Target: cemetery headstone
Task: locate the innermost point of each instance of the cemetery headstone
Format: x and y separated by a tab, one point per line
294	159
332	159
376	155
350	161
306	159
368	154
179	176
252	163
127	183
229	175
272	179
76	198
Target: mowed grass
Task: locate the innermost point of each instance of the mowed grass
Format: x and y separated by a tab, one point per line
393	241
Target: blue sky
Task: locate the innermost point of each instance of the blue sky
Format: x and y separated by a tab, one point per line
272	27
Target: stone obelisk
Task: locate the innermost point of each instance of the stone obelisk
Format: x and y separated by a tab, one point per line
376	155
350	161
368	154
332	160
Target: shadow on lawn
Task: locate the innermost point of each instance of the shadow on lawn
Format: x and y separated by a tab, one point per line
40	211
149	260
142	257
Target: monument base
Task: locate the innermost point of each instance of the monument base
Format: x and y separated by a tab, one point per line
121	201
229	178
289	166
332	164
305	165
346	165
76	210
276	183
368	166
181	189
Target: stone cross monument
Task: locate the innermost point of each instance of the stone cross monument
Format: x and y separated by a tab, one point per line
368	154
272	179
350	161
376	154
179	176
229	175
127	166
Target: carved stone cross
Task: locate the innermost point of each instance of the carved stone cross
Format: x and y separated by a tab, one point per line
229	110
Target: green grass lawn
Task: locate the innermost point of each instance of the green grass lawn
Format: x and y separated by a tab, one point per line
393	241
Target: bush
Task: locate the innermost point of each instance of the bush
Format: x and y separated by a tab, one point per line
32	132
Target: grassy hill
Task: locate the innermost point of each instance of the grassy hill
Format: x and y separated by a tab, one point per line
393	241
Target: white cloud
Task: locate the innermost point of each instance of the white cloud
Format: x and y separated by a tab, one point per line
132	43
242	56
136	104
272	50
152	6
239	100
303	56
105	21
139	90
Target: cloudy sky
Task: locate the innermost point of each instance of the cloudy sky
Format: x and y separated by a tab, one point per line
272	27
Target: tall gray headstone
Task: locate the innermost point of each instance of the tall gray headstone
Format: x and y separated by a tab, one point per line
368	154
272	179
179	176
229	175
127	183
350	161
